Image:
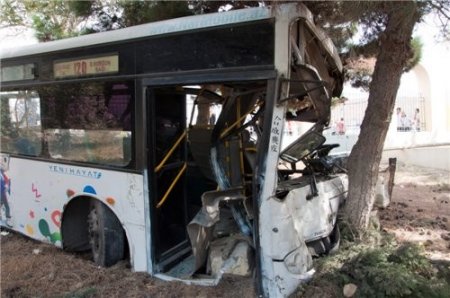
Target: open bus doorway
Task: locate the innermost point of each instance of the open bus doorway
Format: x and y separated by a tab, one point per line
185	123
167	166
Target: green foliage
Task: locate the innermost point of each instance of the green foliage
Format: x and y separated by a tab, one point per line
371	236
46	29
416	47
340	20
378	277
208	6
342	35
382	270
81	8
360	66
139	12
411	256
5	117
10	11
359	78
51	19
56	19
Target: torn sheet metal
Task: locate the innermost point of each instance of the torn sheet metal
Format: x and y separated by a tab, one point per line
200	228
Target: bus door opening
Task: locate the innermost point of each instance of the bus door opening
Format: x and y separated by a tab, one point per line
180	129
202	143
167	167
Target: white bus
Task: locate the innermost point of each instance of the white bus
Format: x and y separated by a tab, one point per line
161	144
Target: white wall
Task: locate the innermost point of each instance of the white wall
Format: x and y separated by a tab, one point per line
430	157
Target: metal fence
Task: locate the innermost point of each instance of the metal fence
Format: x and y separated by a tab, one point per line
352	112
409	105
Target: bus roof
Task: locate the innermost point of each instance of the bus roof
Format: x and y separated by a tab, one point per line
189	23
140	31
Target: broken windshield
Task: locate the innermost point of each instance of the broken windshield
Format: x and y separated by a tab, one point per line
303	146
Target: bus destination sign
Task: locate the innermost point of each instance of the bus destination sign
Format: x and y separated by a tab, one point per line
18	72
86	67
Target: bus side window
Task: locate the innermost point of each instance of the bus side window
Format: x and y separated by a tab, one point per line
90	122
21	122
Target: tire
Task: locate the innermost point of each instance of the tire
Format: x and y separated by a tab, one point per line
335	238
106	235
316	248
326	245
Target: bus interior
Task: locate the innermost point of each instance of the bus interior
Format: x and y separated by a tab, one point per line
188	124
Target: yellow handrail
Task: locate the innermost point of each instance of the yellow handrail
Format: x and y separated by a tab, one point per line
169	190
224	133
161	164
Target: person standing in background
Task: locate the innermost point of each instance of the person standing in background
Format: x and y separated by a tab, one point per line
417	120
399	119
340	127
405	123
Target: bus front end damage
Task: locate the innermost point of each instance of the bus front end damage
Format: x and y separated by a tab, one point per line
309	188
273	210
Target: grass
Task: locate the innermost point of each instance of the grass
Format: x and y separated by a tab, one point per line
379	267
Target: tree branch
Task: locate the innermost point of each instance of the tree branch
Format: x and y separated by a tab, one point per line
443	8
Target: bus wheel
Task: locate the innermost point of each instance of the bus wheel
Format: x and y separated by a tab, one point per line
326	245
106	235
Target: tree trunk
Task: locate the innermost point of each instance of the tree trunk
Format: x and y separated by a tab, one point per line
365	157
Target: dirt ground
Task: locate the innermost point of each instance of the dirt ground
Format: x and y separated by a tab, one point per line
419	212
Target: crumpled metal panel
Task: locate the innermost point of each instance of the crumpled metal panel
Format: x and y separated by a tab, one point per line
200	228
290	260
235	247
316	217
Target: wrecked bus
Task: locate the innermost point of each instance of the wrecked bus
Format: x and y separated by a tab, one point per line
161	143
